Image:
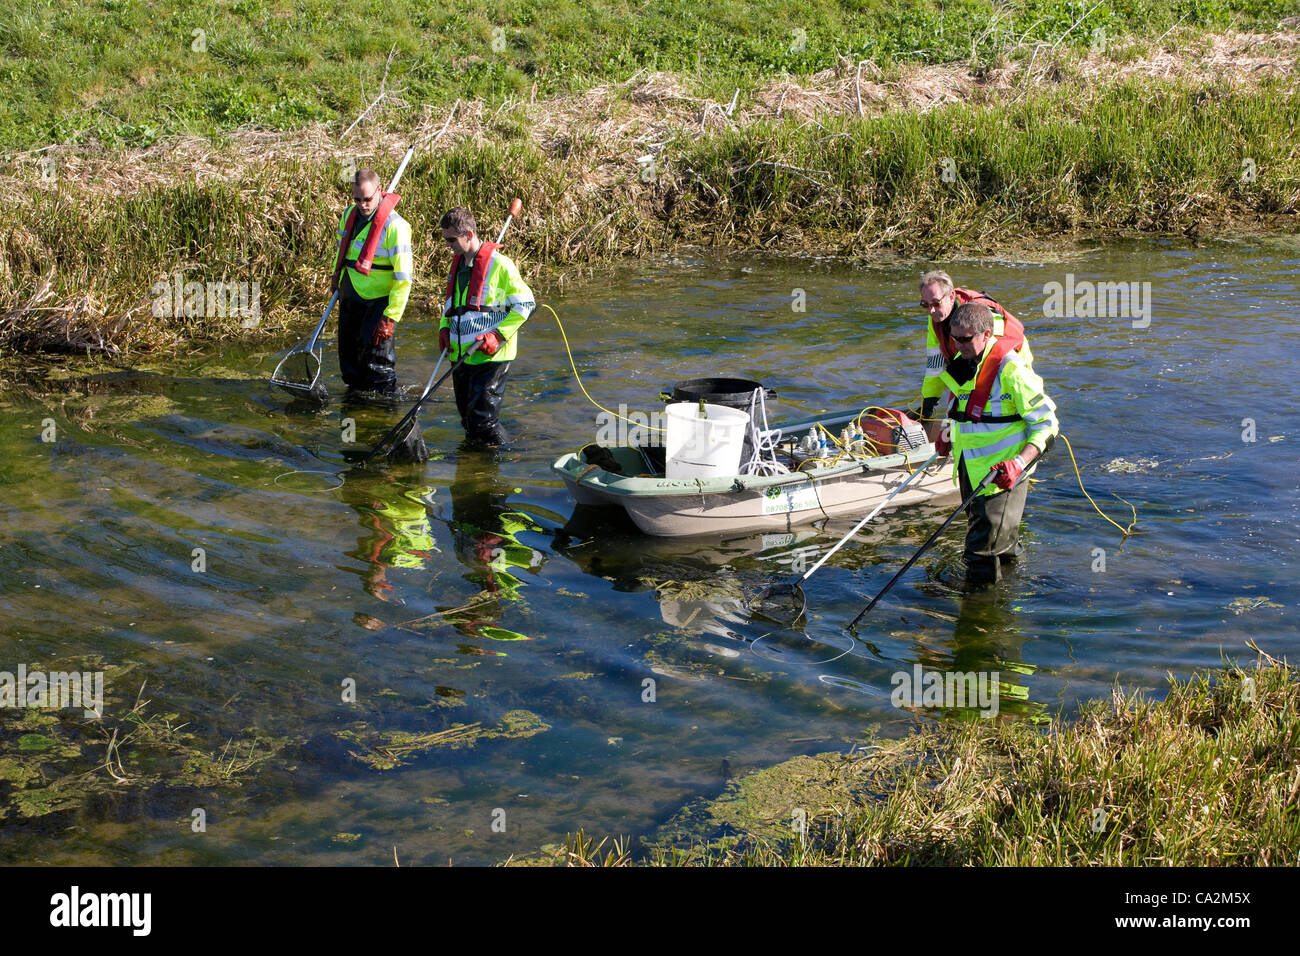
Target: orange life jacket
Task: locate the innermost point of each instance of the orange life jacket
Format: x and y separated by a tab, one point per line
477	277
1012	328
1011	340
364	261
979	397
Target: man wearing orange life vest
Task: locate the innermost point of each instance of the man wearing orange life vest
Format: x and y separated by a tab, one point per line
998	421
486	303
372	274
940	298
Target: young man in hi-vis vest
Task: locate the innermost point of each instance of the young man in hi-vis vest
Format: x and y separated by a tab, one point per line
486	303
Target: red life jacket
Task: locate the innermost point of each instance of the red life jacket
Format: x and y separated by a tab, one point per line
988	374
377	225
477	277
1012	328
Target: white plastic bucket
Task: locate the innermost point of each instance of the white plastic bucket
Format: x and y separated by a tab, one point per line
704	447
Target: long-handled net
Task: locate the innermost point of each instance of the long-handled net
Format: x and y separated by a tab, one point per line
299	374
785	602
404	444
405	440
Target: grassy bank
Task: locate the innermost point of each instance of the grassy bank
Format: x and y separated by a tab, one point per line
1208	776
129	72
80	257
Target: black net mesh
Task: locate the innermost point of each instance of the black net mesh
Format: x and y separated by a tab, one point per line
782	604
297	373
406	446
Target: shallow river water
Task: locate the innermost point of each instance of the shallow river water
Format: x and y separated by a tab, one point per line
189	531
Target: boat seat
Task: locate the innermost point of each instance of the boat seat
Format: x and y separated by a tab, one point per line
601	457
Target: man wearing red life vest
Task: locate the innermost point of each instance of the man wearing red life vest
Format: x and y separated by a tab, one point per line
372	274
941	298
999	420
487	302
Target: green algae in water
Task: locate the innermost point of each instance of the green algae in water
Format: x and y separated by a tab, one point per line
710	589
17	773
445	696
387	750
770	805
520	723
1243	604
46	800
55	762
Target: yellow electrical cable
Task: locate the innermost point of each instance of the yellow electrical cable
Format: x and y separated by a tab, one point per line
578	378
882	420
1127	531
829	435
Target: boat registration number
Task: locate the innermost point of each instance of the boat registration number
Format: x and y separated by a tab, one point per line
780	501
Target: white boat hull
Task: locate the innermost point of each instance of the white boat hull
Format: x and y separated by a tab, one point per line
678	507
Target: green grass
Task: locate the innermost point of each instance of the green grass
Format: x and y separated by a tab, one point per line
124	72
1141	155
1136	156
1206	777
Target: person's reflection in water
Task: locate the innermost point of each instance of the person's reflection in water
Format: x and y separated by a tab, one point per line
394	517
483	529
986	649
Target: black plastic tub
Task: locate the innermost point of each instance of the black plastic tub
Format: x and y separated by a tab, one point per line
731	392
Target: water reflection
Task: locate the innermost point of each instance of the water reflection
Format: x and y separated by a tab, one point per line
484	529
980	671
396	532
706	588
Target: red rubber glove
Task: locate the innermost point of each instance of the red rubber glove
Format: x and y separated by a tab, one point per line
444	339
491	342
383	330
1006	473
942	443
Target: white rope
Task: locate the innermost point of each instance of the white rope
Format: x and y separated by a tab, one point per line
763	440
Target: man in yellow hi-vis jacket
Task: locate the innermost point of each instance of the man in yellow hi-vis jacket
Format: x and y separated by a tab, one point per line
486	302
941	299
372	274
998	419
